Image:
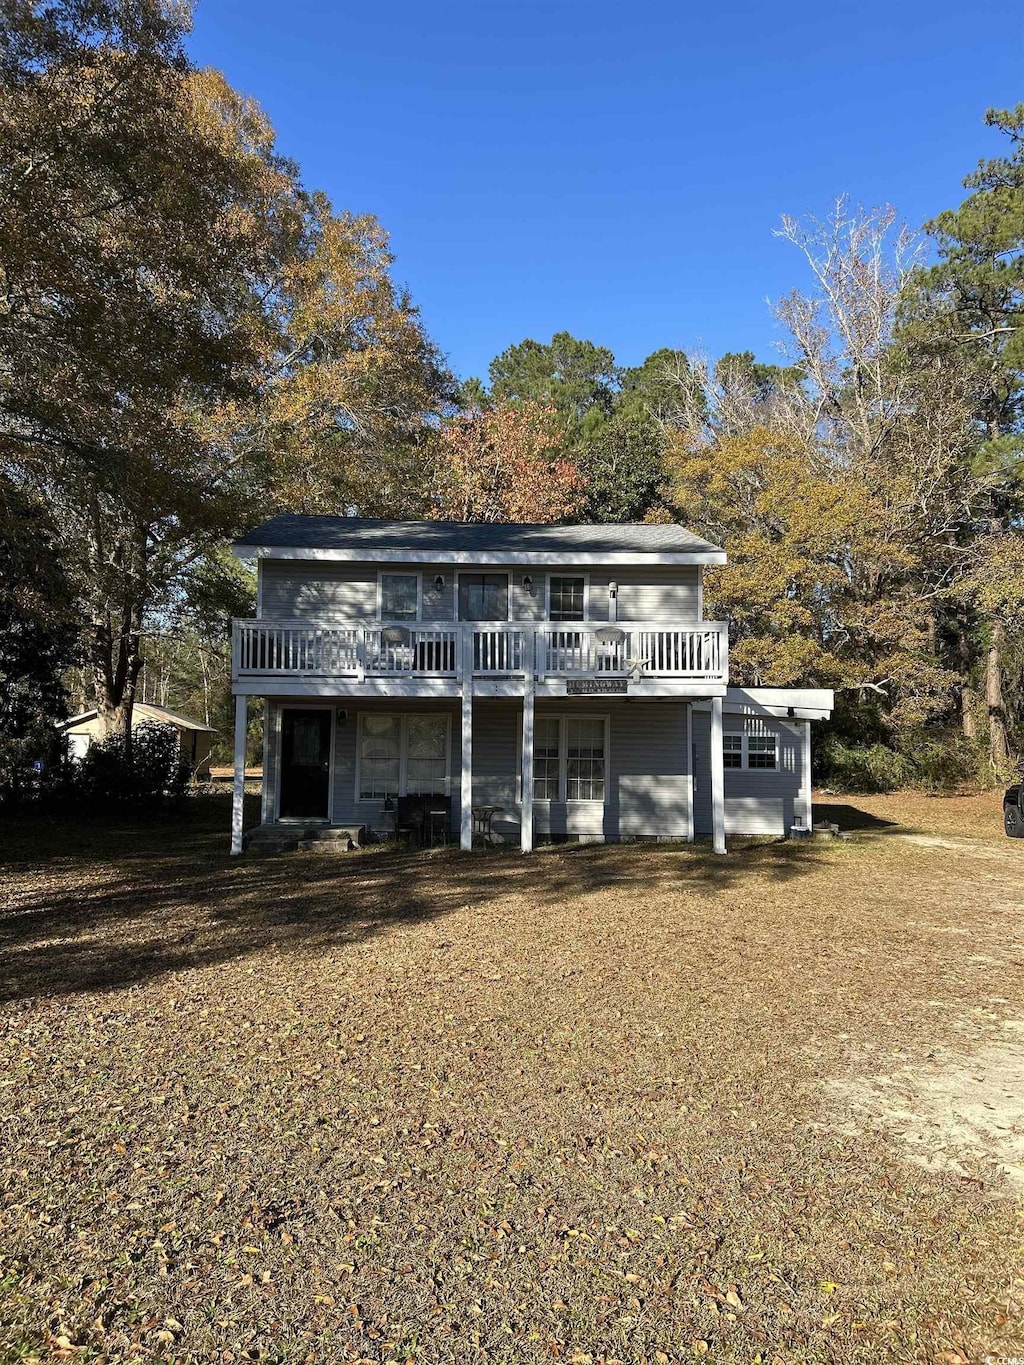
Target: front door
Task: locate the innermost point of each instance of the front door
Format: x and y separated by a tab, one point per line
305	763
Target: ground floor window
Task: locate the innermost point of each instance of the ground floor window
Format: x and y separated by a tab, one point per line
402	755
750	751
570	757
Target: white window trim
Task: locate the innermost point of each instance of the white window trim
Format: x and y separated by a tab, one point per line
403	718
486	572
746	737
399	572
277	817
563	717
566	573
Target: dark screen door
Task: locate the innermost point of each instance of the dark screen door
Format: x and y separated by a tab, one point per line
305	763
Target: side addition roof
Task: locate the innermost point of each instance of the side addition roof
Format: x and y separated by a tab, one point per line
454	542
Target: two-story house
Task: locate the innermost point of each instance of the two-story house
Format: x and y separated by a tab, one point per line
544	682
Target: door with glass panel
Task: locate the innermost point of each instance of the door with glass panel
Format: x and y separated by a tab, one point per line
305	763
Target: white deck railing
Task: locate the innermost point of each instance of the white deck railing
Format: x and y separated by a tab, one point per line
697	651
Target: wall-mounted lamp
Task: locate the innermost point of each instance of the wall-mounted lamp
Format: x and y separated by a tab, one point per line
342	715
613	590
528	583
791	712
439	582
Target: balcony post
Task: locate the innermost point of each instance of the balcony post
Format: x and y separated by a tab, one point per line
238	789
807	782
526	802
466	786
717	776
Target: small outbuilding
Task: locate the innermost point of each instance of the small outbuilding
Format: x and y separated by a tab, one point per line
194	738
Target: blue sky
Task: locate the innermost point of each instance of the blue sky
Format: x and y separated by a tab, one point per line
617	169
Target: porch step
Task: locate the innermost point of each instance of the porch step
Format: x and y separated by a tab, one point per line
334	839
309	838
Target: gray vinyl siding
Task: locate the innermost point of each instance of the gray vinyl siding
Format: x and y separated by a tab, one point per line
756	801
333	590
647	772
658	594
346	806
647	767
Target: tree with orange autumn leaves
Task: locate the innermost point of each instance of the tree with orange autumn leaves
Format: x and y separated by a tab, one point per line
503	463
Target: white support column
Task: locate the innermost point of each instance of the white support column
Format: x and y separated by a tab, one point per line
266	805
717	776
526	803
466	788
808	799
238	790
689	770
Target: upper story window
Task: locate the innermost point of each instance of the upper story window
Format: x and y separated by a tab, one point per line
483	596
399	596
567	598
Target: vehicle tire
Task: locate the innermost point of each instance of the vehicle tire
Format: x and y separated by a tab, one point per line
1013	822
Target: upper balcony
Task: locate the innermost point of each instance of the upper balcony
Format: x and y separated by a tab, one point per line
271	655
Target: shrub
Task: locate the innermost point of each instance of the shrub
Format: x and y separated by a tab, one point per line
148	772
861	768
940	760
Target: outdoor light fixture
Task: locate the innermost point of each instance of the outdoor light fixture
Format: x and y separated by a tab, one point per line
528	583
439	582
613	590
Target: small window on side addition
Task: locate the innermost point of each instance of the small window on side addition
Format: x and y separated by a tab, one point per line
762	751
732	751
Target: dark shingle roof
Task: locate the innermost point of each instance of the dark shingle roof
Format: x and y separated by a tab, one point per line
365	534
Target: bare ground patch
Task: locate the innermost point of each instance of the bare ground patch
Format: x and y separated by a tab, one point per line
438	1108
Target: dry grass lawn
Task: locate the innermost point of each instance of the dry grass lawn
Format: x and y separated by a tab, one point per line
630	1104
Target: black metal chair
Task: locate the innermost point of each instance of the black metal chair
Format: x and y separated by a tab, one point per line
415	818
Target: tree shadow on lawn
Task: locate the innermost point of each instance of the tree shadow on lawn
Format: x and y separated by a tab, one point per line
169	901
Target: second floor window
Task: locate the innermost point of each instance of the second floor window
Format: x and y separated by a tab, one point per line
483	597
399	596
567	597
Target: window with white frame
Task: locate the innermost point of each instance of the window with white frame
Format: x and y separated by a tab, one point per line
750	751
732	751
762	751
567	598
547	758
570	755
584	758
426	754
399	596
483	596
401	755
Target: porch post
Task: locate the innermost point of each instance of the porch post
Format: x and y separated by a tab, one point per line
717	776
266	806
526	803
808	800
238	790
689	772
466	787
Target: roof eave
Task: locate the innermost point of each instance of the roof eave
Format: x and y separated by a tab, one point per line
532	558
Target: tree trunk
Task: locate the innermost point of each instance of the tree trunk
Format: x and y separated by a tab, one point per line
998	741
117	663
968	722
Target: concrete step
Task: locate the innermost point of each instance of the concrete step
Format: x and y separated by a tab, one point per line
311	838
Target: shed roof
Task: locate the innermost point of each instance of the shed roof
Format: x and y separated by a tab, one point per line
147	710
